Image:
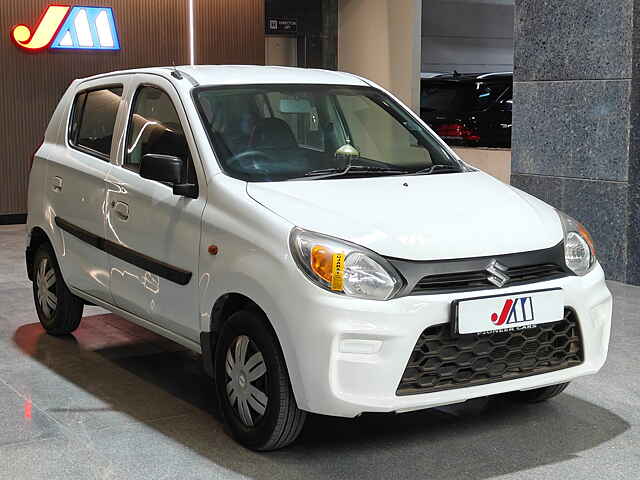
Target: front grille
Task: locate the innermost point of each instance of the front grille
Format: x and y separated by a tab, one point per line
442	360
465	281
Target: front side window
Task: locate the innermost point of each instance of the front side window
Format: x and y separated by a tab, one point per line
487	93
506	102
289	132
93	120
155	128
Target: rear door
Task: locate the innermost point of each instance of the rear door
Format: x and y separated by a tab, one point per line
76	183
155	235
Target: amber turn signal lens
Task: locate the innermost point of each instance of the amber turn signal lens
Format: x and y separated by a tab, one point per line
587	238
322	262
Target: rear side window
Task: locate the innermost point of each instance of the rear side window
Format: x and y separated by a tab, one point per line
93	121
443	97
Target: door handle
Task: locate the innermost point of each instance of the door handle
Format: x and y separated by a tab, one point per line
56	184
121	209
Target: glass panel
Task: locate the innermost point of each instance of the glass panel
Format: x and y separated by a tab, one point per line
488	93
283	132
379	136
98	120
155	128
443	98
78	108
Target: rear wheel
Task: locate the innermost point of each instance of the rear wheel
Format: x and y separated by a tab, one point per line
59	311
253	385
538	395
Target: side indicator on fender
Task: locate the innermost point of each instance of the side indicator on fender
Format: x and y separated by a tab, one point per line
213	249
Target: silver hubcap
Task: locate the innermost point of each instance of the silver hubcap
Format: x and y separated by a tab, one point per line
45	282
243	375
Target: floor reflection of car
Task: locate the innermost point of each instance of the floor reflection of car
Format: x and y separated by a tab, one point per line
469	109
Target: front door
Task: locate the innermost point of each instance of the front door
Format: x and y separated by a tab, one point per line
155	234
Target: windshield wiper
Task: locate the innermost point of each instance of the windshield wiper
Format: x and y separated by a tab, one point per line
440	168
355	169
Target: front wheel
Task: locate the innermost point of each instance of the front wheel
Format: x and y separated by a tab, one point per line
253	385
59	311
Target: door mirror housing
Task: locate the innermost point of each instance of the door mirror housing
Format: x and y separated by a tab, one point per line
167	169
186	190
161	168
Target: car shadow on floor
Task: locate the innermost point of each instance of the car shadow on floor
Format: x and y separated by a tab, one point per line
121	364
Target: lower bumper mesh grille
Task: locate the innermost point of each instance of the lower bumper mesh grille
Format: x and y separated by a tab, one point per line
442	360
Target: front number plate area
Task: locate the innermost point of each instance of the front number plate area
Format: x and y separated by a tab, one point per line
508	312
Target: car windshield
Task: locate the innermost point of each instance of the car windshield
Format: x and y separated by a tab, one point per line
263	133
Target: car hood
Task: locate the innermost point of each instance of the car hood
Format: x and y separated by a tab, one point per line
426	217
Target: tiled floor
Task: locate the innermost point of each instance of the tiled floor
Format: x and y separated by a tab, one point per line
115	401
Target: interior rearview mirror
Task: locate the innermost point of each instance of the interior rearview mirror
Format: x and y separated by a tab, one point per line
346	154
294	105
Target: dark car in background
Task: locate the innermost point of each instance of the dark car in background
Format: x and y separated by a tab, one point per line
470	109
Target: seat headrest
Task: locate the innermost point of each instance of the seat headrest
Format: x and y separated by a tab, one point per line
272	133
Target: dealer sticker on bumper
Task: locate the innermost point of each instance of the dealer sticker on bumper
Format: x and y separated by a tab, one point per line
506	312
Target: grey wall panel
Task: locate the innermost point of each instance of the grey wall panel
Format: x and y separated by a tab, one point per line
573	39
446	54
572	129
467	35
152	32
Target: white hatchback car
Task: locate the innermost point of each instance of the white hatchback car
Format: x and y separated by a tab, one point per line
305	231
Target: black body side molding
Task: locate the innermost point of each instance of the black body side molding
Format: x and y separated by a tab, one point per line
164	270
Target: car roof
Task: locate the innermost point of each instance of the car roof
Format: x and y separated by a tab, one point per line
467	77
211	75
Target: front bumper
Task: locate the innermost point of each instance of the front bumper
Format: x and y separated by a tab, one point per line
350	354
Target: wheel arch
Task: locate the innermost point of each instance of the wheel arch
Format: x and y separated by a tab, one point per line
225	306
37	238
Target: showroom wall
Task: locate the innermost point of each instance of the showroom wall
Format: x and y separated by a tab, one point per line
467	35
152	32
576	122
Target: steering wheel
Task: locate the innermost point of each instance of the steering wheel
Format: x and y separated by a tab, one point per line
251	160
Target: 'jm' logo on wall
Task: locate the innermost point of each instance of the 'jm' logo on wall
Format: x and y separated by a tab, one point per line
63	27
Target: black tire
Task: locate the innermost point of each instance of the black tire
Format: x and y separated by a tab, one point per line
539	394
281	420
62	313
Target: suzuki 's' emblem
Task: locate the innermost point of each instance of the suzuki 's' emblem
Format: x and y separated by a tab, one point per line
63	27
498	275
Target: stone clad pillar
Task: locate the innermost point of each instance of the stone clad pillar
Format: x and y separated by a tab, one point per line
572	118
381	40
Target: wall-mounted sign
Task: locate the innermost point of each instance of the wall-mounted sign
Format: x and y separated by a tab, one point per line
63	27
281	26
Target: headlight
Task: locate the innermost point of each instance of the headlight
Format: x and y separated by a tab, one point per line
579	252
343	267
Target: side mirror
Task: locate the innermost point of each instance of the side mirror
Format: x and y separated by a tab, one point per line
161	168
167	169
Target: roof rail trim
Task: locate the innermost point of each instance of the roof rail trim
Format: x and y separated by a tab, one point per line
191	80
487	75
